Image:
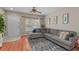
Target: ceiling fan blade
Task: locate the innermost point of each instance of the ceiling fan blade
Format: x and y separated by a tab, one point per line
34	10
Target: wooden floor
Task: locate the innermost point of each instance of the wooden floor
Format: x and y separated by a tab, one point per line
20	45
75	49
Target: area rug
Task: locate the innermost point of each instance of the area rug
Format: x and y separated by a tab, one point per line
42	44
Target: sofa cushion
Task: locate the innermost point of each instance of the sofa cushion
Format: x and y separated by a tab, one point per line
35	35
48	30
55	32
63	35
65	42
38	30
51	35
72	34
44	30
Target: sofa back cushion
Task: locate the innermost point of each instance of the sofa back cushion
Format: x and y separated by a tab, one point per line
72	34
43	30
48	30
38	30
54	31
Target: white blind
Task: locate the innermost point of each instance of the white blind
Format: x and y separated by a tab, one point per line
30	24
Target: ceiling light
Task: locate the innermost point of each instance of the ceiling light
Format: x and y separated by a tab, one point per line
11	8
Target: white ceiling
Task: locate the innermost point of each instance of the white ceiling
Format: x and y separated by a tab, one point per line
44	10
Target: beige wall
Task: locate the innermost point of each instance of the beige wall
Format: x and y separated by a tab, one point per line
2	11
73	19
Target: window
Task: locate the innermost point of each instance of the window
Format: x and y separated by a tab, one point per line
31	24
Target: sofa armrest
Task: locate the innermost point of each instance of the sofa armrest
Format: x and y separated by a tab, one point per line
73	40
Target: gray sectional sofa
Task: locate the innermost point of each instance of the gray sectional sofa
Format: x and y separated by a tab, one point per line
53	35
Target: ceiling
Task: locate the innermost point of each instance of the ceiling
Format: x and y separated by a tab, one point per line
44	10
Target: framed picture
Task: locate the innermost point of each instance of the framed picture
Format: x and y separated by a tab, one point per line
65	18
55	19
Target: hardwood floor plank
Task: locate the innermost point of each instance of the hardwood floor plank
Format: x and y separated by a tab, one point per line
19	45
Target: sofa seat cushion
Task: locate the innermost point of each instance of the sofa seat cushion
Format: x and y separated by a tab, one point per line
35	35
54	37
51	35
65	42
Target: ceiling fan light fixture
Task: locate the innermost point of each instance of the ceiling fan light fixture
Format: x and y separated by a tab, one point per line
35	11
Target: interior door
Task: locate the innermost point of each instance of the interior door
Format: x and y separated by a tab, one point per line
13	25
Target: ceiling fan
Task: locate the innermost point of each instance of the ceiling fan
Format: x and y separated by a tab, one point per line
34	10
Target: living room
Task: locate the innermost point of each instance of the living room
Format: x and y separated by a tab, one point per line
42	23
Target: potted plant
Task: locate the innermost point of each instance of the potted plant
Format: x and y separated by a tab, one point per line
2	29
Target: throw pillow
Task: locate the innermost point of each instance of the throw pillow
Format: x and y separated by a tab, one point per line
67	38
34	30
63	35
71	34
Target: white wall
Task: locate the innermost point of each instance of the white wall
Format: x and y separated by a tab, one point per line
73	19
